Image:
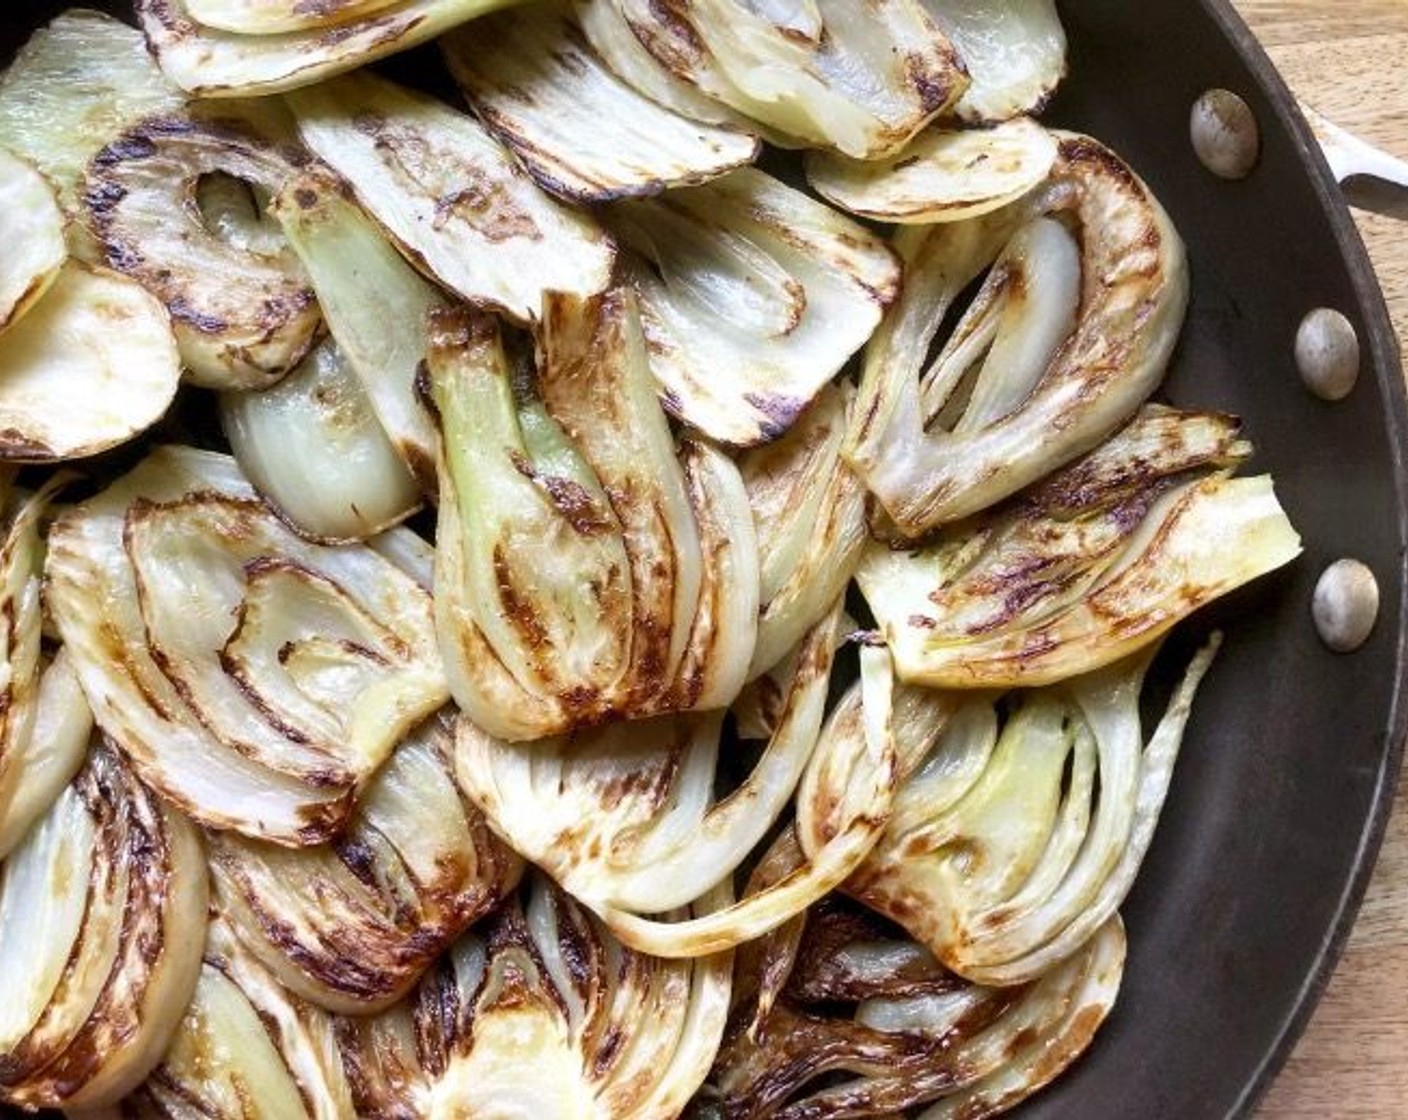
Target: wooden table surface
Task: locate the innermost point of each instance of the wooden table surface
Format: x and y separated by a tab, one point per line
1348	59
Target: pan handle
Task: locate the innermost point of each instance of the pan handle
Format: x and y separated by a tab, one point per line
1372	179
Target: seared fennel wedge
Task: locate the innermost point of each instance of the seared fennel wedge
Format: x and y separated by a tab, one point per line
355	943
627	820
614	1034
583	133
312	445
75	86
583	572
32	229
860	80
243	309
374	303
1061	363
210	62
841	1016
753	296
102	909
1012	841
256	680
91	365
453	199
1095	563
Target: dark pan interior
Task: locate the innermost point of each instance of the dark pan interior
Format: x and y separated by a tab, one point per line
1284	784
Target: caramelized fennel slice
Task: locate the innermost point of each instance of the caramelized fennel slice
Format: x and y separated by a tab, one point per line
626	818
32	229
582	133
255	679
939	176
376	306
453	199
76	85
840	1016
98	907
1134	291
645	598
1000	858
91	365
753	296
1095	563
863	82
243	311
209	62
350	926
613	1032
314	448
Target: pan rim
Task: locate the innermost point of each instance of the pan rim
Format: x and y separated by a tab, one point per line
1383	355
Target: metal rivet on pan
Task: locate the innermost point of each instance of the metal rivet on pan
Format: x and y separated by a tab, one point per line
1327	354
1346	605
1225	134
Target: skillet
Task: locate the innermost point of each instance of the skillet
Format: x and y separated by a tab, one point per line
1285	781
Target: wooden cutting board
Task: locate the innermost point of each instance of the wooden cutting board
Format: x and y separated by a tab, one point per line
1348	59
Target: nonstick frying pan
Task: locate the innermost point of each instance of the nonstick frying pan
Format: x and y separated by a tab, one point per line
1286	777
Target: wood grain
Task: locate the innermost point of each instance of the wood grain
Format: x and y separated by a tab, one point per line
1348	59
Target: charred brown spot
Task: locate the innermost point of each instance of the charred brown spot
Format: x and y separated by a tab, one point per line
479	199
368	124
776	413
101	197
520	613
1069	1045
15	444
572	501
576	948
610	1047
1078	152
1021	1040
133	146
203	321
456	328
358	858
935	87
670	401
679	48
320	7
485	205
374	30
122	256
